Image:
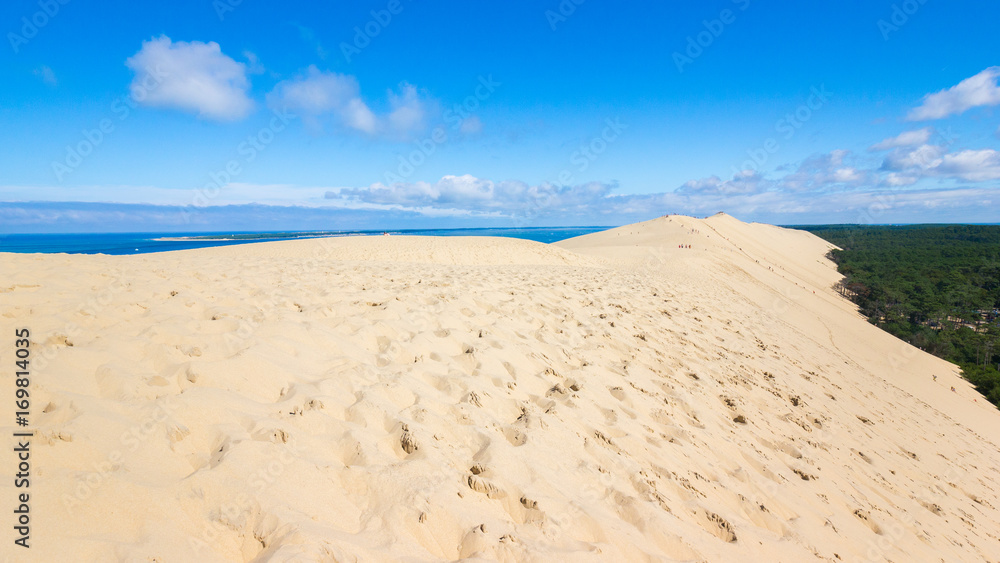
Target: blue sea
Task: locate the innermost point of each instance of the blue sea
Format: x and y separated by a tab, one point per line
141	243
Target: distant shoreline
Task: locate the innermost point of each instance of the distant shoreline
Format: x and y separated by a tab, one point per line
142	243
261	237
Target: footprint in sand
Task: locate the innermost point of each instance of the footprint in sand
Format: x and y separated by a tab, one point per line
515	436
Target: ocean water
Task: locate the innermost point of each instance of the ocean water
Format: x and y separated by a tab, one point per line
141	243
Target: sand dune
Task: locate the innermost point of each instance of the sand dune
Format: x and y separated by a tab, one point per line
612	397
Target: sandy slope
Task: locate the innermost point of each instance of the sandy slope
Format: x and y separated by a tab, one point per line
612	397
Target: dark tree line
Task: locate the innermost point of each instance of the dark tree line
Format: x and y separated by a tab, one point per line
935	286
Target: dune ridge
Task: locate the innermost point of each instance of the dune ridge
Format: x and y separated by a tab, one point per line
610	397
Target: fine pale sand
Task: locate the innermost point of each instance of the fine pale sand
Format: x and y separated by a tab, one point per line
612	397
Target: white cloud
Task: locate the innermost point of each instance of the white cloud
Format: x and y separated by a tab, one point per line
409	111
899	179
836	157
46	74
909	165
234	193
473	126
358	116
745	182
321	96
923	157
472	194
511	202
823	172
190	76
838	181
317	93
978	90
846	175
596	203
904	139
254	67
837	184
971	165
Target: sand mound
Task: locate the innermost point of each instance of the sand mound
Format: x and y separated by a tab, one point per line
466	251
613	397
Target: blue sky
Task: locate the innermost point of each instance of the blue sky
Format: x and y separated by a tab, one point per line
402	113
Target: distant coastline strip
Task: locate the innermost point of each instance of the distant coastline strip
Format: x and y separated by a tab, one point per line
263	236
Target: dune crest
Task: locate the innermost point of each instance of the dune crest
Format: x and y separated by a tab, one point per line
618	396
